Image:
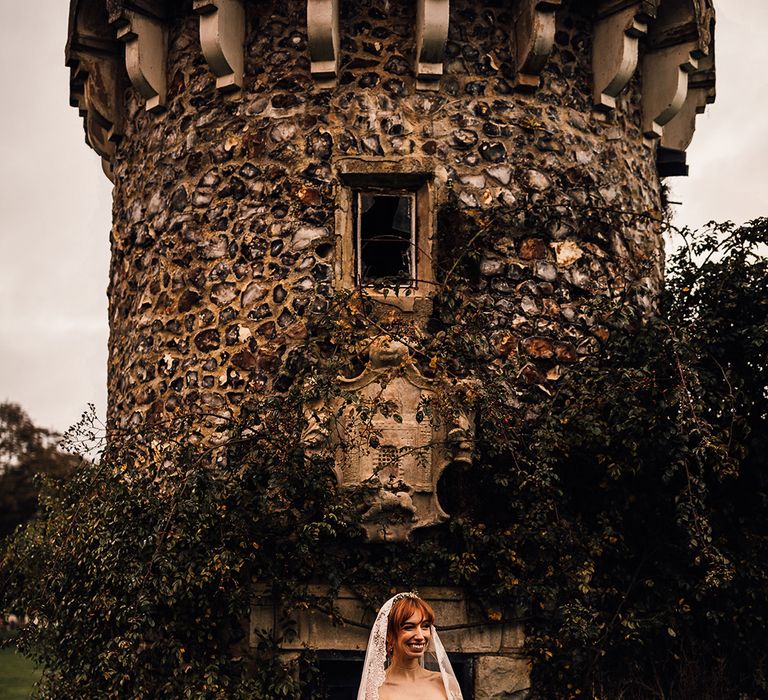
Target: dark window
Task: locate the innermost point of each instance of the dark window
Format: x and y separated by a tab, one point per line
340	674
385	238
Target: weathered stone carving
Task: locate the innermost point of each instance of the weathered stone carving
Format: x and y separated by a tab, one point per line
146	49
392	434
93	90
323	40
666	86
534	37
678	133
677	40
222	35
432	22
618	28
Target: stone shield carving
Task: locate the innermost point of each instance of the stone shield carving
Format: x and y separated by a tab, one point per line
390	430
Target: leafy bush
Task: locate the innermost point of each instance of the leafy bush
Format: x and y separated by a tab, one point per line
623	516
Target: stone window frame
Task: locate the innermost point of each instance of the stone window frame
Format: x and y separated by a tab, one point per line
386	178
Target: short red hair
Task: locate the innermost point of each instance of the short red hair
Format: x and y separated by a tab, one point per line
401	611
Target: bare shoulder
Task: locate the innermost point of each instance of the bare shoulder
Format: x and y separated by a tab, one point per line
436	680
387	692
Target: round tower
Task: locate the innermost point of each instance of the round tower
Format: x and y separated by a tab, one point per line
268	156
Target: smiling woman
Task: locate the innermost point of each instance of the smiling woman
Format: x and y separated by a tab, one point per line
405	658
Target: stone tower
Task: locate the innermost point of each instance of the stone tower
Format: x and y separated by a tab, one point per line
259	150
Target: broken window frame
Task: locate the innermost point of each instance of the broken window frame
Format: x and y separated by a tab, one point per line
410	277
386	177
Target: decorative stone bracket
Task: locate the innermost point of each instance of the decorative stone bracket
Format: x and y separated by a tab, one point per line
432	20
677	40
665	85
534	37
323	40
617	32
677	80
391	435
146	50
222	38
678	133
95	89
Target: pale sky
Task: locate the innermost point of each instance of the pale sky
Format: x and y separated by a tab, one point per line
56	209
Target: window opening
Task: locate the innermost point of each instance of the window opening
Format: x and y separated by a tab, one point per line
385	239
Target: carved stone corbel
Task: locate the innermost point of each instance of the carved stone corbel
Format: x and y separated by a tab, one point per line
676	41
432	20
534	37
323	40
146	50
95	91
106	168
678	133
665	85
222	37
618	28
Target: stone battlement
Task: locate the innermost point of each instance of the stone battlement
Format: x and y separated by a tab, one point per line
114	43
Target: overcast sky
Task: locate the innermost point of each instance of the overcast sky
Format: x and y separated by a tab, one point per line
55	201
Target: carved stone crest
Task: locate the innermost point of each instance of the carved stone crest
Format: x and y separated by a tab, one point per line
389	431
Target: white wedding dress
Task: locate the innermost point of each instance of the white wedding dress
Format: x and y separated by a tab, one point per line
375	666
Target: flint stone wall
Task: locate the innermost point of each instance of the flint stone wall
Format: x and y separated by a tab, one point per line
223	239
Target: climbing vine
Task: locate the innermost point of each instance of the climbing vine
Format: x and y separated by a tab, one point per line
616	501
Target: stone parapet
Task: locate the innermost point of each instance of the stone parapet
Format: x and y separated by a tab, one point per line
672	36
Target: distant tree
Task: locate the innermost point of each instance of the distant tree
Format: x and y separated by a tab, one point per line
26	451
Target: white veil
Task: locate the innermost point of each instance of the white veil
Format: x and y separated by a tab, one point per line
375	665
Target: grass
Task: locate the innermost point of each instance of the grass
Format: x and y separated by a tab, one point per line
17	674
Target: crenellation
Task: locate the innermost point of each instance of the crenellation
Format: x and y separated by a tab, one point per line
619	29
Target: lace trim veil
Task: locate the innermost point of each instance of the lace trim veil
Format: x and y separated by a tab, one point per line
375	665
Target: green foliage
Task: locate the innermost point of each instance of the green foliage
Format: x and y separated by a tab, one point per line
622	514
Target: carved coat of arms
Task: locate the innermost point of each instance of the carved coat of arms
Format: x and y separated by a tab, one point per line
388	430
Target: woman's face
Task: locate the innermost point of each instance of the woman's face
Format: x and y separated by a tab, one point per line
412	637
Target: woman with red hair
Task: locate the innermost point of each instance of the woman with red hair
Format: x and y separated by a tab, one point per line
405	659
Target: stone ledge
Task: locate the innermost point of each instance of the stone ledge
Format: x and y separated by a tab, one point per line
459	631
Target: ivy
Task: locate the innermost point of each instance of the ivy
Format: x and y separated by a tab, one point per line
620	512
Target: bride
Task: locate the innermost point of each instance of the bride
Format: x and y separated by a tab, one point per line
405	659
